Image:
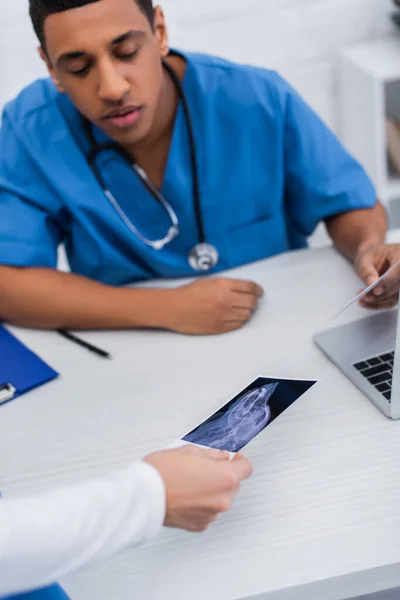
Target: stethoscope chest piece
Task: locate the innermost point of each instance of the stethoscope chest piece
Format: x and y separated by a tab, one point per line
203	257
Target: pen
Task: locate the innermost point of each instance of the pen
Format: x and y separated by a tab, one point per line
73	338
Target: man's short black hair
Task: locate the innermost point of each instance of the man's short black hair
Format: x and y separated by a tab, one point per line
39	10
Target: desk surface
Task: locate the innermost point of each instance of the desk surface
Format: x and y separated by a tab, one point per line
321	516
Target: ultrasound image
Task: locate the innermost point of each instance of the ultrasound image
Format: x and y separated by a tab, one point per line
233	428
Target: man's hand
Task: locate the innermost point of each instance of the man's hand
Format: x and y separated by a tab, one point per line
199	484
372	262
211	306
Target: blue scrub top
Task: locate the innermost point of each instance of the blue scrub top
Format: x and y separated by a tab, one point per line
50	593
270	170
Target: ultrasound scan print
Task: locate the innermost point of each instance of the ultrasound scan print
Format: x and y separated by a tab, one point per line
240	420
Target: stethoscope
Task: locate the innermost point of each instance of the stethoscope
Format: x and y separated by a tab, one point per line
203	256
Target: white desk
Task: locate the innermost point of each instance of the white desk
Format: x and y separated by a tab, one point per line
320	519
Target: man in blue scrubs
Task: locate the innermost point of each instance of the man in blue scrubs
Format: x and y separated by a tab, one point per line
269	172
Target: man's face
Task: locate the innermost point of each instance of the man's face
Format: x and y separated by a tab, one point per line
107	59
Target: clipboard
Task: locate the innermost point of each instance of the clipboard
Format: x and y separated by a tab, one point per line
21	370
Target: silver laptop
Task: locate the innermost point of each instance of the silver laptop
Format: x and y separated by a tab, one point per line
368	352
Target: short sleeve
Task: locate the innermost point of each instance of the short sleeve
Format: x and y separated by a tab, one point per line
321	178
30	224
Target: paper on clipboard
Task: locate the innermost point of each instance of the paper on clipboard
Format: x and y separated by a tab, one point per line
367	290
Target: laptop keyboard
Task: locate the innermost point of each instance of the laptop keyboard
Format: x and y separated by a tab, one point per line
379	372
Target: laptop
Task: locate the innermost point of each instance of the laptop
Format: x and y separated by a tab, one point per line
367	351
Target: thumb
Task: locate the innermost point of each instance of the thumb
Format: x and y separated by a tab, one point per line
206	452
219	455
366	268
242	467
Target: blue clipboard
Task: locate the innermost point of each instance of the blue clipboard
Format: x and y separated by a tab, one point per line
21	370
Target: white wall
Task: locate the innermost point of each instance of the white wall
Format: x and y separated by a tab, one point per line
297	37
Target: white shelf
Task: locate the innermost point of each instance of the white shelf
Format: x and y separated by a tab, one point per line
369	93
392	191
379	59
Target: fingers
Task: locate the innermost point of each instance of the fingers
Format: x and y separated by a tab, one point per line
201	525
243	306
247	287
236	318
218	455
389	285
245	301
193	450
190	449
242	467
386	288
239	456
232	326
366	268
240	314
380	296
373	303
375	262
383	293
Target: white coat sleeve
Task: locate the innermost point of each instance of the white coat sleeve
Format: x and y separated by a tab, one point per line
46	536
